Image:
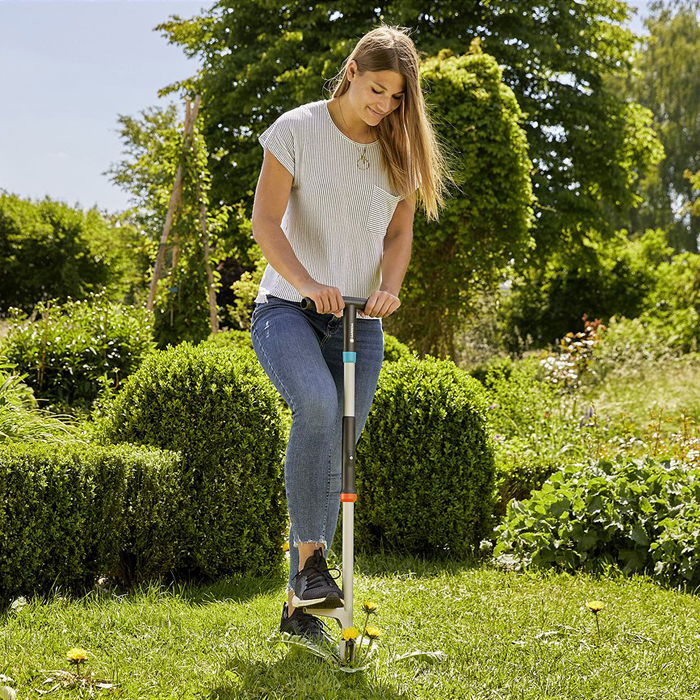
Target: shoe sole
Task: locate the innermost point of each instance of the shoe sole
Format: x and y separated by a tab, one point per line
328	601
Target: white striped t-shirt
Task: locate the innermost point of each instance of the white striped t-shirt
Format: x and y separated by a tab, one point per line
337	214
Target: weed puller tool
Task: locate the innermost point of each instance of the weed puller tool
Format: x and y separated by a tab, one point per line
348	494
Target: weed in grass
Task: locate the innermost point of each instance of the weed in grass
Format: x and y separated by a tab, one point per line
595	606
83	680
361	655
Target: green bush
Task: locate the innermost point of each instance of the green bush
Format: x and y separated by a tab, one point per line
537	429
20	416
394	349
240	341
519	396
642	516
601	278
520	469
230	339
50	250
219	410
73	349
72	512
502	365
425	461
668	326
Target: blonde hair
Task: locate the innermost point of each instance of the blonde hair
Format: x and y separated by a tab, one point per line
410	151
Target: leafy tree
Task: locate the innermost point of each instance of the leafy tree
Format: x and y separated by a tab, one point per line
589	147
667	81
487	224
154	145
601	278
51	250
262	57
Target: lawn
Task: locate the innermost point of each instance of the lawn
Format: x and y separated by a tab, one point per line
506	634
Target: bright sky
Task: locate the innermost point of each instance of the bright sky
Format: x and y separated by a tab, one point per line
67	71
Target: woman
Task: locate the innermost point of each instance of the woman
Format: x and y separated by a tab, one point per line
333	216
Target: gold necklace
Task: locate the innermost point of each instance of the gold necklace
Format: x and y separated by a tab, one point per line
362	161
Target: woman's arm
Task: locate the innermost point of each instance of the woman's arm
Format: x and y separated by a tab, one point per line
397	248
271	197
397	253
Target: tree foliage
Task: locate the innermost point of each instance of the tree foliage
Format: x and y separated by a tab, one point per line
263	57
51	250
666	80
486	224
154	146
589	147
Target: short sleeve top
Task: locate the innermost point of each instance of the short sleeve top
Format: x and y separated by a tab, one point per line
337	215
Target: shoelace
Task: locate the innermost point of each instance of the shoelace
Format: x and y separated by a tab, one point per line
309	623
319	575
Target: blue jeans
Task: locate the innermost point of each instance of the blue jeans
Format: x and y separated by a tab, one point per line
301	352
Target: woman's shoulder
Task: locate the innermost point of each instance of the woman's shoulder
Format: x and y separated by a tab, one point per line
303	114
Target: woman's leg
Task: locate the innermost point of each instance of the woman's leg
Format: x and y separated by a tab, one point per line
289	345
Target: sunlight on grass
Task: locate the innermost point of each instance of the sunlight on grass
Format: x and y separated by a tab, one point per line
673	387
501	631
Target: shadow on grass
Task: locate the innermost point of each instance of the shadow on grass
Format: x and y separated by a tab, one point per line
236	588
296	674
415	565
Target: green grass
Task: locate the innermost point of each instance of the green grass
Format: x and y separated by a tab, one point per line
642	393
506	635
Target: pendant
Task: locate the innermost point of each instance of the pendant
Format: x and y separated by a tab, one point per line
363	162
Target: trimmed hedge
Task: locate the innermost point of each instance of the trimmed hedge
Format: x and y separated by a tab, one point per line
231	339
393	349
425	465
70	513
219	410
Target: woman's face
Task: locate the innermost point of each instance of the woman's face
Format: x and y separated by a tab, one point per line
374	95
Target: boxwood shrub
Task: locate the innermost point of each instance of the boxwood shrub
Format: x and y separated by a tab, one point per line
425	466
640	515
230	339
219	410
393	348
72	512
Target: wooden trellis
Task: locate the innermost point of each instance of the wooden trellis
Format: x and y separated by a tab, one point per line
174	204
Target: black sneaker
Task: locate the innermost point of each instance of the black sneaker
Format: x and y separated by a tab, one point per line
303	624
314	584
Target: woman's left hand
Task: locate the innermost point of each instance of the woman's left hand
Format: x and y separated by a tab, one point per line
380	304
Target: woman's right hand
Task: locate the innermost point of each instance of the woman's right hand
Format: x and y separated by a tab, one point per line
328	300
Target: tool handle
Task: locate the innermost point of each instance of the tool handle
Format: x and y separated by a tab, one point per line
357	302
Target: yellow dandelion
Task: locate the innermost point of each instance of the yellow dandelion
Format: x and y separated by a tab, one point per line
373	632
350	633
369	607
285	546
595	605
76	655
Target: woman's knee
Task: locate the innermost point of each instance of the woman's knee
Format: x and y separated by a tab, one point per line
319	404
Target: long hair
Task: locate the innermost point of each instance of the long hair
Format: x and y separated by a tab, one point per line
410	151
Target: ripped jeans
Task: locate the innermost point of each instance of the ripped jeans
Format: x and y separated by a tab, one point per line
301	352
